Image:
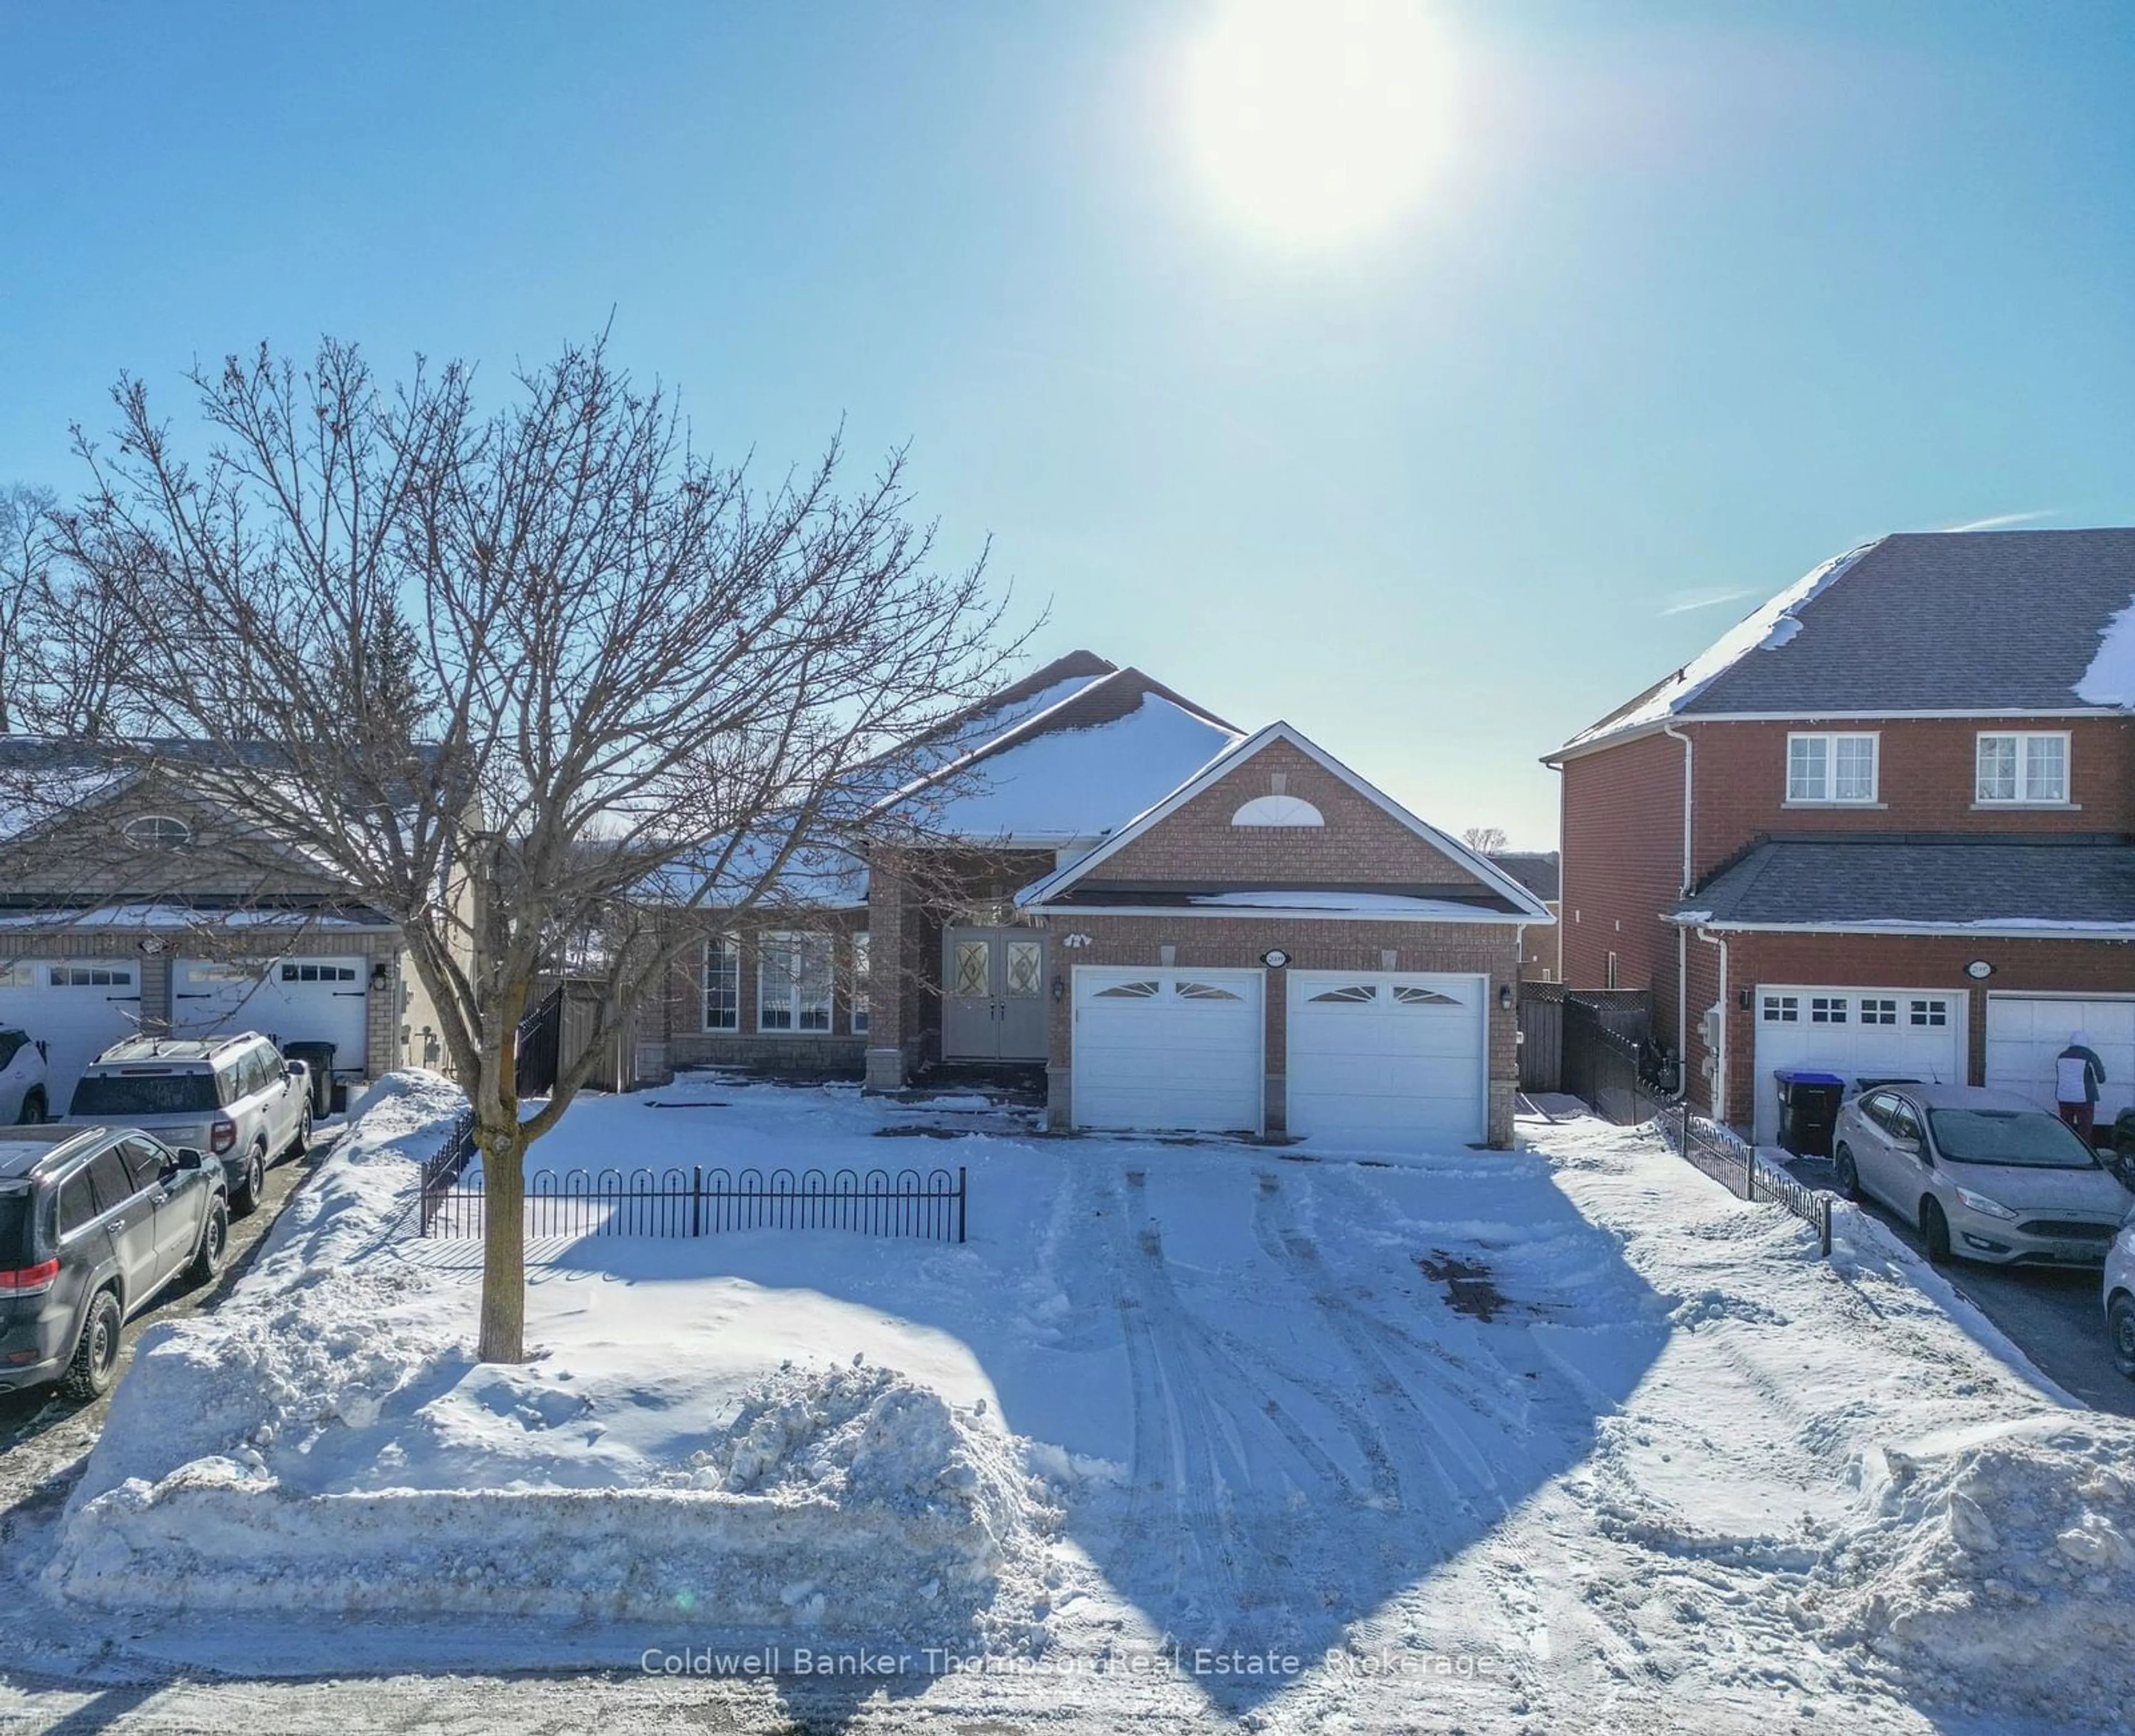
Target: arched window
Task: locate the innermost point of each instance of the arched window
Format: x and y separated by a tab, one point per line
157	831
1277	810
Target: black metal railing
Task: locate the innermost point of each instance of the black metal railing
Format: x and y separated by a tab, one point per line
1734	1165
442	1168
540	1047
698	1201
1621	1077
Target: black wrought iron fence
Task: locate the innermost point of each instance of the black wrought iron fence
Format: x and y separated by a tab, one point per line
443	1168
698	1201
540	1046
1734	1165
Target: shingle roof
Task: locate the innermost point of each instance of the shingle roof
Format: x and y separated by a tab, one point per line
1539	870
1979	621
2079	882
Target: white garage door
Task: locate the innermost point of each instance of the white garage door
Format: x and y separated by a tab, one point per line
1379	1059
1168	1050
77	1008
1855	1033
2025	1032
292	1000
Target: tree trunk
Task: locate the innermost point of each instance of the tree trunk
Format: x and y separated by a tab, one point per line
504	1245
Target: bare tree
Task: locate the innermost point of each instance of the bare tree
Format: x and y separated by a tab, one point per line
1484	840
520	677
24	560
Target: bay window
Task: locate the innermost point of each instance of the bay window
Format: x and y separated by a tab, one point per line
793	982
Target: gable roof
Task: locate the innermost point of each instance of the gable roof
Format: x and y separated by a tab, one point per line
1074	770
2075	883
1971	622
1519	901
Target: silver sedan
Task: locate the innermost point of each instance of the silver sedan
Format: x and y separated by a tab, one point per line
1986	1175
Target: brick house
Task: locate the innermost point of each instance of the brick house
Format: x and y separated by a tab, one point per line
123	913
1885	826
1186	927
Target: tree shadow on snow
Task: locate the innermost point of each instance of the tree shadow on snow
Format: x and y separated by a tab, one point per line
1316	1384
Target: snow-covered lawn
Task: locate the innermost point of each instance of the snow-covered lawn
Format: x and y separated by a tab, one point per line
1559	1439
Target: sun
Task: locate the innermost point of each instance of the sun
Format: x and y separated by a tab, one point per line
1318	122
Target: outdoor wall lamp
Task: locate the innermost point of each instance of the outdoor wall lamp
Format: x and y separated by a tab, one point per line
381	973
1059	988
1504	997
1745	998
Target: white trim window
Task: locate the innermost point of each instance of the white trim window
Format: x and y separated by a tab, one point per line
1831	767
2023	769
793	982
862	985
722	983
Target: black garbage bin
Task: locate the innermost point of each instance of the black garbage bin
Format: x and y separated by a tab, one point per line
1808	1110
319	1057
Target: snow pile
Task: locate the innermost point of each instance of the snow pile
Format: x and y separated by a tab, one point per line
2001	1569
844	1502
326	1441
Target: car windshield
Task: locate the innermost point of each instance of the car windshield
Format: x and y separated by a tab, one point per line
145	1093
2027	1138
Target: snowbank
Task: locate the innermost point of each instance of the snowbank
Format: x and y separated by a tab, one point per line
2005	1565
326	1441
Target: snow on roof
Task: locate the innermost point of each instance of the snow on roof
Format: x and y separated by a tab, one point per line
1082	782
2110	680
1766	629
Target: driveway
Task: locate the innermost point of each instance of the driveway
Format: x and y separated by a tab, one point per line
45	1437
2053	1315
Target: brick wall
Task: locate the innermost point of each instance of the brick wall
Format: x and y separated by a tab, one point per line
1219	943
1622	842
1925	779
1360	844
1860	961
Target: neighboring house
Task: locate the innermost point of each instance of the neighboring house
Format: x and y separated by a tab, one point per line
1883	826
1541	950
125	910
1189	928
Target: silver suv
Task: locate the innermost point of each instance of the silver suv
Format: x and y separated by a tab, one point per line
233	1096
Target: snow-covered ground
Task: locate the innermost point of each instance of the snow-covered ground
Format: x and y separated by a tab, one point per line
1187	1434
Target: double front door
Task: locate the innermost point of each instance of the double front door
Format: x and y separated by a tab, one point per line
993	998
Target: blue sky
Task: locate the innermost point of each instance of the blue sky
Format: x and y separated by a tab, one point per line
1696	296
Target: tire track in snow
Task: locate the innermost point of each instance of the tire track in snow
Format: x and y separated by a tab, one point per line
1455	1469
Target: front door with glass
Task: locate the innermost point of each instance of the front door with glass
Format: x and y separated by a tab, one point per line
993	995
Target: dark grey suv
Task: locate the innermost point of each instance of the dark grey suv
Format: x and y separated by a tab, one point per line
94	1222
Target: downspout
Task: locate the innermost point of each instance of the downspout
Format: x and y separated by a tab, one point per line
1681	936
1720	1048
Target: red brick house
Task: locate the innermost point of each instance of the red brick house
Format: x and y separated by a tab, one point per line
1186	927
1886	825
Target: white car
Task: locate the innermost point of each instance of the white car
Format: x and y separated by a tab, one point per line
234	1096
2120	1299
23	1094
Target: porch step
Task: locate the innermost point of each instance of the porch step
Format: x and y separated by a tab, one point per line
1021	1083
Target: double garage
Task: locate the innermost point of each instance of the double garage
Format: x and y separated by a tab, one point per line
1363	1058
79	1007
1924	1034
